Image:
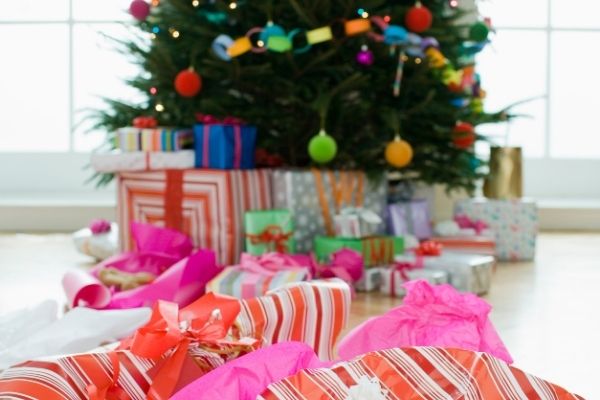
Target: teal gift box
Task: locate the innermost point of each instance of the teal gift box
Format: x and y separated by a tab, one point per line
376	250
269	230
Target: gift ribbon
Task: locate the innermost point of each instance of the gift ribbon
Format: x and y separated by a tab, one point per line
378	250
429	248
107	390
170	331
268	264
145	122
272	234
342	190
174	200
207	120
464	222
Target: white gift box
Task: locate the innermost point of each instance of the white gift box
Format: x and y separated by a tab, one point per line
356	223
118	161
392	279
80	330
466	272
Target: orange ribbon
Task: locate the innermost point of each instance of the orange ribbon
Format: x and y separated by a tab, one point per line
272	234
429	248
170	331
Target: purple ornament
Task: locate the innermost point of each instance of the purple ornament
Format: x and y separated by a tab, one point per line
365	57
429	42
139	9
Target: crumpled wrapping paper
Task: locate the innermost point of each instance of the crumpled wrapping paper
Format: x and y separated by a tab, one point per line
437	316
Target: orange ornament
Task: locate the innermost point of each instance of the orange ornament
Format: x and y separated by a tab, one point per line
398	153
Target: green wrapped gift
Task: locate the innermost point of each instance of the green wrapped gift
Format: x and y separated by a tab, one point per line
376	250
269	230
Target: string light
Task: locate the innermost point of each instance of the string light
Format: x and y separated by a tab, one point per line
155	2
365	14
404	57
418	60
453	3
175	34
260	43
387	18
153	36
153	90
233	5
195	3
159	107
155	29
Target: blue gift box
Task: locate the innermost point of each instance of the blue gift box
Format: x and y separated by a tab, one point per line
224	146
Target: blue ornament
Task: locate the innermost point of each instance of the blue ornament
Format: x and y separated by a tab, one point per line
220	46
460	102
474	163
394	35
413	47
271	30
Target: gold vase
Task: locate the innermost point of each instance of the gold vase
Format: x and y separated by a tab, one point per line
505	180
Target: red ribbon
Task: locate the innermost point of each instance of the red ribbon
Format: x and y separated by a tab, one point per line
429	248
272	235
464	222
208	119
174	200
170	332
145	122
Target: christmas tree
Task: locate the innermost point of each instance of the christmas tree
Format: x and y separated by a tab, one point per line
368	73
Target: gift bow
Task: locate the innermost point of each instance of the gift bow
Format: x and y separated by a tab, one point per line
429	248
145	122
404	264
272	234
208	119
170	332
99	226
366	215
268	264
464	222
346	264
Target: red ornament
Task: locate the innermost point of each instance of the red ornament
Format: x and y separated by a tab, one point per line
139	9
418	19
463	135
188	83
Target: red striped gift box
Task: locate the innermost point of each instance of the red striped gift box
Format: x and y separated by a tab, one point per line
208	205
423	373
468	244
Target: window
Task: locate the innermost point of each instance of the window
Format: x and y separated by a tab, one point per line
544	49
58	63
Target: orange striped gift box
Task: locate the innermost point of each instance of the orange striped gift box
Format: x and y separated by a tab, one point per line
420	373
208	205
313	312
468	244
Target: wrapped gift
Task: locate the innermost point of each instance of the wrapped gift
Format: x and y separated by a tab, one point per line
410	217
268	231
224	144
370	281
154	139
430	315
207	205
81	329
315	196
98	243
514	223
467	272
378	250
164	267
417	373
312	312
356	223
118	161
178	346
394	277
256	275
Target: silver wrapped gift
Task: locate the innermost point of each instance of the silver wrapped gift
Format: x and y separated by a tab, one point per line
467	272
315	196
357	222
393	279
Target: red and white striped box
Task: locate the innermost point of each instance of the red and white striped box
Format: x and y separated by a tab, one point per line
208	205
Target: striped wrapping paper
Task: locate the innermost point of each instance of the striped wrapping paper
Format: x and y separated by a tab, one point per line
311	312
468	244
425	373
154	139
237	282
208	205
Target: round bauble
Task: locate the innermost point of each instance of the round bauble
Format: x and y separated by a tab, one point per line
365	57
418	18
398	153
479	32
463	135
188	83
322	148
139	9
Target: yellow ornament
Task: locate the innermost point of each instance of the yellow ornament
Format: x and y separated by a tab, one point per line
452	76
398	153
435	57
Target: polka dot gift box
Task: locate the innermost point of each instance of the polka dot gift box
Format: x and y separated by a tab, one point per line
514	223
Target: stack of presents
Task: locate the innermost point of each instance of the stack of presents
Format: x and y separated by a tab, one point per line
235	283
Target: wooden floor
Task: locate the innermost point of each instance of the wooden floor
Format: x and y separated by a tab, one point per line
547	312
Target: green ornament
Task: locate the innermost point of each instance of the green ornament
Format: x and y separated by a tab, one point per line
322	148
479	32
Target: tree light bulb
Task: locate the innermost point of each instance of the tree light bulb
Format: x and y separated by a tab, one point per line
233	5
453	3
195	3
159	107
260	43
153	90
387	18
153	36
175	34
418	60
365	14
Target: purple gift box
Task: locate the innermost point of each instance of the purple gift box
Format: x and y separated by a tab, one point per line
410	217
